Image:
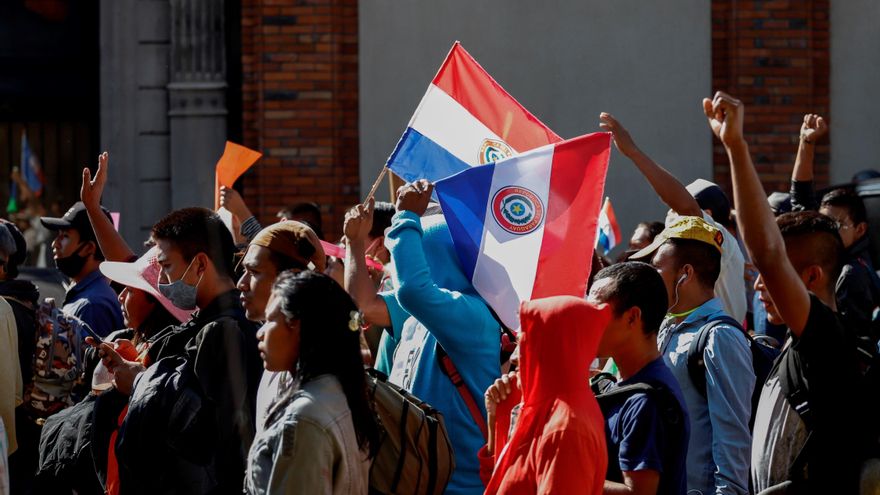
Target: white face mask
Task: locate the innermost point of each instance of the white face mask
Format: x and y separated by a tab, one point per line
181	294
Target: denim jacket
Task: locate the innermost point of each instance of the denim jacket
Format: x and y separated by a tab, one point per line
720	441
309	445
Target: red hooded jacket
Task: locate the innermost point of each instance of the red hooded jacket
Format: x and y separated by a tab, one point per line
558	444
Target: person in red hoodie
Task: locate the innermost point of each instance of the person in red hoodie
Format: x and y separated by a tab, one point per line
558	442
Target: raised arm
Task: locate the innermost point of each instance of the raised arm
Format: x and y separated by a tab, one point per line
358	222
112	244
248	225
671	191
803	196
459	321
754	218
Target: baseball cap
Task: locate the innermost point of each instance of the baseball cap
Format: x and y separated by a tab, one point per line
693	228
295	240
780	202
143	274
710	197
75	218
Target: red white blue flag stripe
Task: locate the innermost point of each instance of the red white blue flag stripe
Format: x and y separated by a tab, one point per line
608	235
524	227
464	119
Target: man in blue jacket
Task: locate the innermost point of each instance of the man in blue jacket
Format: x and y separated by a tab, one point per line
687	254
434	305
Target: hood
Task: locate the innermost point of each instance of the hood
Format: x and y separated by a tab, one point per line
441	256
558	342
23	290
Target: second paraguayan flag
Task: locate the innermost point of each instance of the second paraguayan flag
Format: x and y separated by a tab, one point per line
524	227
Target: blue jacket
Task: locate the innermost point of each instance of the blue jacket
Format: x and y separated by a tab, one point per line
719	449
435	303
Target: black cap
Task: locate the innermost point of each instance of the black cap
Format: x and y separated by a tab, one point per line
780	202
710	197
75	218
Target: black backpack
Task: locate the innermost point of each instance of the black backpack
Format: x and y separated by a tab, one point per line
608	396
763	357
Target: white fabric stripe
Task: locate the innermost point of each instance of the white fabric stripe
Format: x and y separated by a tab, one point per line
507	263
607	228
447	123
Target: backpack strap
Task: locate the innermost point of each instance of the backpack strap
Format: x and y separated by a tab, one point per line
671	413
616	394
795	387
696	365
450	371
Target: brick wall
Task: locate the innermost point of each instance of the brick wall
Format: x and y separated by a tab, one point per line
774	55
300	107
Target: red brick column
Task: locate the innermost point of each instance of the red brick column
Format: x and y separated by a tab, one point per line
300	105
774	55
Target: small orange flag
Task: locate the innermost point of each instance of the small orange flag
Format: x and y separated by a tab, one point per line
235	161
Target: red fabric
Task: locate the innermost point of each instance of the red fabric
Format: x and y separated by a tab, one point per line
112	485
502	419
462	78
577	180
558	445
487	464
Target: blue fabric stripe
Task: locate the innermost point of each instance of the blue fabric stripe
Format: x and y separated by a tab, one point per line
464	198
418	157
604	241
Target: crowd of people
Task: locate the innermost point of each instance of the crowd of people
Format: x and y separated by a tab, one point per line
729	350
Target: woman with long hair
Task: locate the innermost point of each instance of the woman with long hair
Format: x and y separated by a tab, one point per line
319	437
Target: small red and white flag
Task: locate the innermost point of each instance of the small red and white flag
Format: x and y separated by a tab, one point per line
608	234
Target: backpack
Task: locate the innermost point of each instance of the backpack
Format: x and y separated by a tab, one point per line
168	442
607	396
58	357
415	455
795	388
763	357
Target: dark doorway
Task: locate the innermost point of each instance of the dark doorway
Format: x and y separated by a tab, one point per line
49	87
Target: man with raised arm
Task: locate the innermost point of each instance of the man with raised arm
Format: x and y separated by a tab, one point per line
805	430
730	286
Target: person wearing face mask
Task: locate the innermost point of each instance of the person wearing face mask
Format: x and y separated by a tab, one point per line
77	255
217	348
145	312
687	254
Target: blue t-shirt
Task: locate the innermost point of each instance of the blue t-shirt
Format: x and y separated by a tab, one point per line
93	301
644	437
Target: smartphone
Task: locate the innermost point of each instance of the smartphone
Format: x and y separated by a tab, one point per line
91	333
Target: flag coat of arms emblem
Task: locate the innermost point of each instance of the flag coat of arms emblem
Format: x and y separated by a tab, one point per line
464	119
524	227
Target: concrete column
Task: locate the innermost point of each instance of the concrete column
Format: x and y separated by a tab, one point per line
197	99
134	111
